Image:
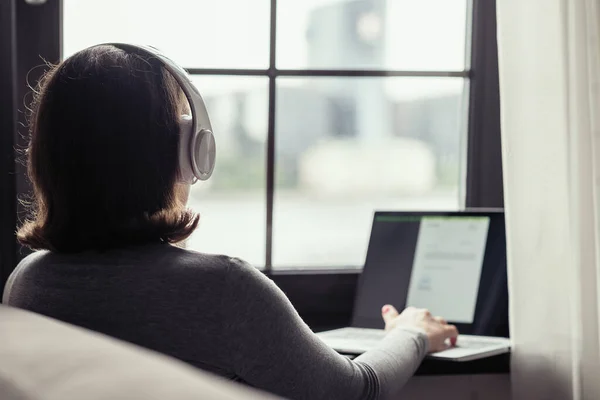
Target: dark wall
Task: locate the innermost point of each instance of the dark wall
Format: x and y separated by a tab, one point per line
30	36
323	299
8	126
484	153
35	48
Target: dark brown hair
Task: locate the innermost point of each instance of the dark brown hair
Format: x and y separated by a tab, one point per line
103	154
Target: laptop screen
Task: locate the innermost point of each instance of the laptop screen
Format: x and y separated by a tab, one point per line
452	263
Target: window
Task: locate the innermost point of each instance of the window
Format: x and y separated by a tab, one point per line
232	203
324	110
195	33
348	145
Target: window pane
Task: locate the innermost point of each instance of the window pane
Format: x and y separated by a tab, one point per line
348	146
195	33
232	203
390	34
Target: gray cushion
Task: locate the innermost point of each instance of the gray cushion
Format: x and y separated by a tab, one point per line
44	359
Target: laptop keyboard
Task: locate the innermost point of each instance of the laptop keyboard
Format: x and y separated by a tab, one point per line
369	335
472	343
360	334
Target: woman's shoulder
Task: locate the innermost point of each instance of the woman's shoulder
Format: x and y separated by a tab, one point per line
33	260
178	256
237	271
179	262
232	275
27	264
198	258
217	263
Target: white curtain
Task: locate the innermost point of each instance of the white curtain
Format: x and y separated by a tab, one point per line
550	101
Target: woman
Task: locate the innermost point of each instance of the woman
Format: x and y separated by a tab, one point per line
109	205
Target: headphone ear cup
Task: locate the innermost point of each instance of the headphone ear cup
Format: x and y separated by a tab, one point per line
203	154
186	138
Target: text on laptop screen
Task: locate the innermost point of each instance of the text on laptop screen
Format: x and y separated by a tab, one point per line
448	256
453	264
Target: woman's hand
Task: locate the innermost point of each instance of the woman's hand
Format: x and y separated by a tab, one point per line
437	329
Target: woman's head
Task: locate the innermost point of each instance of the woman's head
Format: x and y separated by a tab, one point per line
103	156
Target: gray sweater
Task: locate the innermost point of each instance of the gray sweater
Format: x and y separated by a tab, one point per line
214	312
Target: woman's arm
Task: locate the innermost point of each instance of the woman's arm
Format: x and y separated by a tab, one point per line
271	348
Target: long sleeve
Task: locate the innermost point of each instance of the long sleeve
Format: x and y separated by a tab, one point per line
271	348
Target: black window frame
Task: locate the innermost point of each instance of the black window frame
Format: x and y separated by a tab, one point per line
32	32
8	127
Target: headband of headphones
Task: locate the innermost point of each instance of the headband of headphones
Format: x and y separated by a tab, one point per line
197	152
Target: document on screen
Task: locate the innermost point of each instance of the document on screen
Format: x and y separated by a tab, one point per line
447	266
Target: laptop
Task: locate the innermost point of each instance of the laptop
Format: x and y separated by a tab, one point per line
452	263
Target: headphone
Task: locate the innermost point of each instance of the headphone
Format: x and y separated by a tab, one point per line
197	152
